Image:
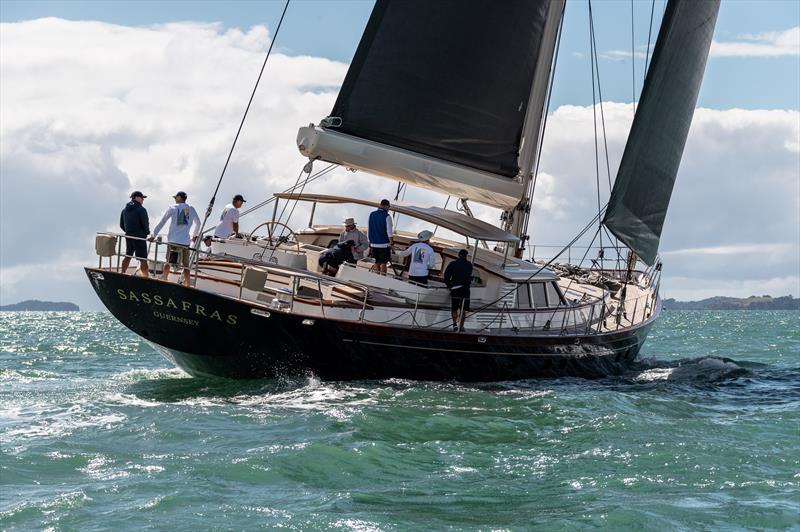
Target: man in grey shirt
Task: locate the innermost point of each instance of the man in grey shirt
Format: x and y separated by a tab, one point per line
351	232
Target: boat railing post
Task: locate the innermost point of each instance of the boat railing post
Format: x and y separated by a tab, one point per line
635	306
311	218
321	301
564	323
502	312
241	280
589	323
119	250
414	316
364	306
295	289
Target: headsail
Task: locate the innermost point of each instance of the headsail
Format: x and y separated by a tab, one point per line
442	94
646	175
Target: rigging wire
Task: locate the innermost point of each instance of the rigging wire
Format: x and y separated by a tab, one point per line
592	53
594	58
294	187
633	64
241	124
649	36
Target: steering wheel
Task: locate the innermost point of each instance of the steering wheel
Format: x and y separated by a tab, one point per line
276	241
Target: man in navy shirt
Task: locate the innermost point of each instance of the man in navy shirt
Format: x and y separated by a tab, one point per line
458	277
133	220
379	234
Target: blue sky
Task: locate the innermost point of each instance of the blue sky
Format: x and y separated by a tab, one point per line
102	98
332	28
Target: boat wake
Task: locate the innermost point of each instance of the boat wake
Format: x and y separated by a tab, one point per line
706	369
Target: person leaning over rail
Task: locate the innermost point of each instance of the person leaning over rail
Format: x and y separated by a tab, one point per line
133	221
457	277
229	219
331	259
422	258
182	217
351	232
380	233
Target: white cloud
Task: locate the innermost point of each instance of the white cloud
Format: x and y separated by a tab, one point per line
769	44
112	109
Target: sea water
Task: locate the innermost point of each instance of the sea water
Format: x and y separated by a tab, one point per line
98	431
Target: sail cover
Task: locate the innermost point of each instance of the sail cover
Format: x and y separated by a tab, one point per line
646	175
449	79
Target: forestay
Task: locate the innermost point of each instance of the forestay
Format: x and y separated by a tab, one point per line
646	175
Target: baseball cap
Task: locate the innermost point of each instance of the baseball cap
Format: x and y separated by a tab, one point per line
384	202
180	193
137	194
240	198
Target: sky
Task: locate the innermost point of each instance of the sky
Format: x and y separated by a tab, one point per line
100	98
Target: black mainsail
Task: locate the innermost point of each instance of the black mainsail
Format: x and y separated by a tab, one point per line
453	89
642	190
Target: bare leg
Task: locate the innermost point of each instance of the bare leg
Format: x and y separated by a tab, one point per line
165	275
144	268
454	315
186	277
125	263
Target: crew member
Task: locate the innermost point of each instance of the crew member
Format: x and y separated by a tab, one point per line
331	259
422	258
229	219
134	222
351	232
379	233
205	247
457	277
182	218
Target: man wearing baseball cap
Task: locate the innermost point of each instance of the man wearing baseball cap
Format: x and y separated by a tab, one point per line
182	217
229	219
134	222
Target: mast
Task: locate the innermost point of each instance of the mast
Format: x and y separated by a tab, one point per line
533	128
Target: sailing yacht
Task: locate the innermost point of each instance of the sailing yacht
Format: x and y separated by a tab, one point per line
456	106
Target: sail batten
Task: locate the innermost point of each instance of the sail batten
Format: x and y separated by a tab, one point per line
643	187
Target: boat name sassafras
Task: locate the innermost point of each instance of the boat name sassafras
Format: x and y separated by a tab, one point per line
182	305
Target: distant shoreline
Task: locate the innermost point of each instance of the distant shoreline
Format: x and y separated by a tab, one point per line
735	303
36	305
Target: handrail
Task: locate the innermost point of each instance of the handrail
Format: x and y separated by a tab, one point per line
592	314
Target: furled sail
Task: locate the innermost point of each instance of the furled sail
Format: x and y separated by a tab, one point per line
639	200
443	94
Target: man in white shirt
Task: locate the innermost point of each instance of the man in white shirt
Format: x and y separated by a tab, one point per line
229	219
351	232
182	218
423	258
205	247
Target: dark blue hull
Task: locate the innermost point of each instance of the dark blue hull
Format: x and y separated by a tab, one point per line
208	334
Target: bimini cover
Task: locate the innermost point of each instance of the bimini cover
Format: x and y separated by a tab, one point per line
641	193
450	79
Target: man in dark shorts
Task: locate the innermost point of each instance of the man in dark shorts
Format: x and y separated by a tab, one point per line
457	277
379	234
133	221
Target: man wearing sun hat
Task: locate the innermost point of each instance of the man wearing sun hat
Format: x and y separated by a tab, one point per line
422	258
134	222
182	218
351	232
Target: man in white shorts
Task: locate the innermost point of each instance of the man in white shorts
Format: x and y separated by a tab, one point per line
182	217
